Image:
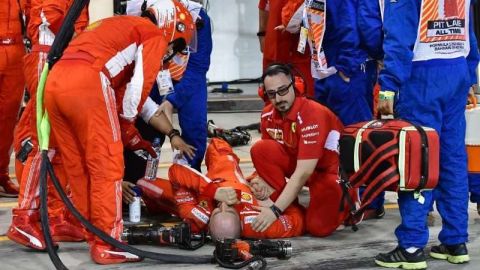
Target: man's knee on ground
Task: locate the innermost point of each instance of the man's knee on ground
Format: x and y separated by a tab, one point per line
321	227
261	150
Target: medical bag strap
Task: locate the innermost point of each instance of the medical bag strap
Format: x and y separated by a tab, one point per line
424	164
381	154
379	184
346	198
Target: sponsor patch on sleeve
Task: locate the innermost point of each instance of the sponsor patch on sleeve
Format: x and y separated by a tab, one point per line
286	224
249	219
184	200
200	216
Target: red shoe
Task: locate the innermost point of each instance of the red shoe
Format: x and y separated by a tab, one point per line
63	230
25	230
103	253
10	189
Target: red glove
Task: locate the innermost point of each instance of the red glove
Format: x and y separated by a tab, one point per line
132	139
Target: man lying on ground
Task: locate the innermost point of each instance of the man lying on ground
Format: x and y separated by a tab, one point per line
220	201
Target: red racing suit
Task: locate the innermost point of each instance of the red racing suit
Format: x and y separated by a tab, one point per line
308	131
116	58
158	196
194	194
281	46
44	20
11	78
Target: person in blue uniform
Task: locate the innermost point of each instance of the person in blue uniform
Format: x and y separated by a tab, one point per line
190	94
344	92
426	80
473	59
370	29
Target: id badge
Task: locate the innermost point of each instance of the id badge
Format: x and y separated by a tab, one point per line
302	41
164	82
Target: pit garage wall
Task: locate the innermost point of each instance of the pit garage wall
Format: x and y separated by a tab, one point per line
99	9
236	52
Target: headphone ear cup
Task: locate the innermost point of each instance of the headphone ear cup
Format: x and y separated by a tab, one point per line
261	93
299	85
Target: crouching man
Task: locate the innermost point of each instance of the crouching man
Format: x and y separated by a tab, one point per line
299	142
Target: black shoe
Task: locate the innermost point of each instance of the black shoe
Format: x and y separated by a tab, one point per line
373	213
400	258
236	137
453	254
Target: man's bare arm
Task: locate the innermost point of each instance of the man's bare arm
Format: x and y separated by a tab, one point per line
302	172
298	179
262	26
160	122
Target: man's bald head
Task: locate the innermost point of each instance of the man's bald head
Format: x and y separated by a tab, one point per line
224	223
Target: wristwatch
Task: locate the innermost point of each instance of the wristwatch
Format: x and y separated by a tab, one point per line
276	210
386	95
173	133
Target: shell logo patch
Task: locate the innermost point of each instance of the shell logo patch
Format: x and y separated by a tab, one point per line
182	16
93	25
246	197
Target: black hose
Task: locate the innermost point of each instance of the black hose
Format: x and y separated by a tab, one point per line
52	253
59	45
169	258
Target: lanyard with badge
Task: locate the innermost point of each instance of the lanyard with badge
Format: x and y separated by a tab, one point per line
164	82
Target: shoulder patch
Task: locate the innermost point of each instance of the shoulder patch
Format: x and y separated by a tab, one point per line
203	203
332	141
